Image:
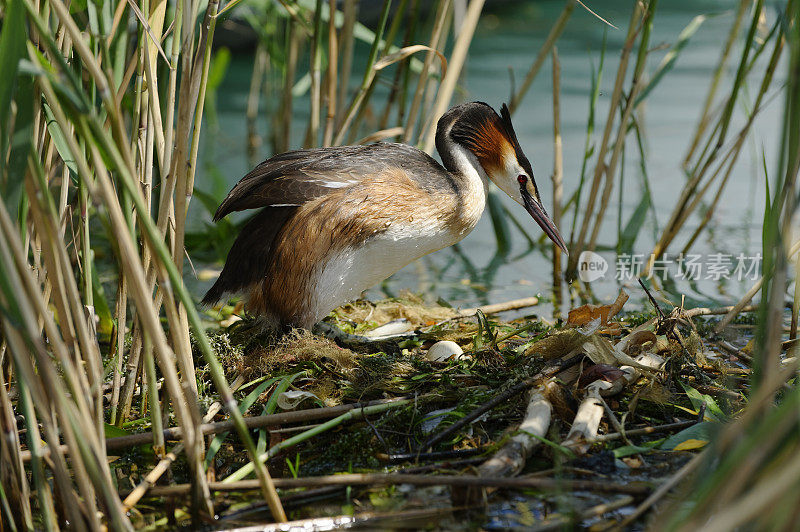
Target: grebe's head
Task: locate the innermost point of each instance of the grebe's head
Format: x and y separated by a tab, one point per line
473	134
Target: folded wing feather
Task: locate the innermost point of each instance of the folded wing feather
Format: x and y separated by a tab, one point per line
293	178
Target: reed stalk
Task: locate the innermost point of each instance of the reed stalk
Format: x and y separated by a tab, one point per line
294	40
369	76
558	175
702	123
748	471
333	58
588	146
544	51
600	167
627	111
456	63
734	151
312	133
247	469
442	9
118	153
13	476
346	44
692	192
386	46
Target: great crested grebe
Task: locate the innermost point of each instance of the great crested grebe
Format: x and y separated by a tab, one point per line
335	221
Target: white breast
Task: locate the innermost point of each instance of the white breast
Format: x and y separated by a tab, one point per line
353	270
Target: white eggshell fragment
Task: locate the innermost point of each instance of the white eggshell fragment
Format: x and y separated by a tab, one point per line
441	351
291	399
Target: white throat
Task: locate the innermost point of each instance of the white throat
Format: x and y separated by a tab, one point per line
467	165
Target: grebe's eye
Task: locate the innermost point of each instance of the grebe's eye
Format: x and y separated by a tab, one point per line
522	179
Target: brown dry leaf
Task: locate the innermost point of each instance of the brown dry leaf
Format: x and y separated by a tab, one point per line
634	462
656	393
557	344
586	313
634	343
604	372
613	329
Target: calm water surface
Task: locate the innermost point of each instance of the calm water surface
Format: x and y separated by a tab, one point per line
507	39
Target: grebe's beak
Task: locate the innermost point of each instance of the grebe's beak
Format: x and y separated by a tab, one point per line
538	213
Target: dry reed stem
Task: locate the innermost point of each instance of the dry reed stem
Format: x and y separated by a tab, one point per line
681	212
389	479
165	212
349	10
312	133
151	76
185	409
58	264
257	422
558	175
353	414
544	51
396	100
496	308
153	240
361	96
164	464
664	489
637	83
62	480
182	344
44	494
253	99
24	365
13	476
456	63
380	135
132	268
283	141
718	71
333	56
644	431
511	458
118	341
600	166
386	58
738	307
436	33
733	152
431	90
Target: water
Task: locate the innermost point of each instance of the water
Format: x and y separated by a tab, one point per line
508	38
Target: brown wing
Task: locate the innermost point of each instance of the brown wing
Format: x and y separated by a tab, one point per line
294	178
292	181
250	255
